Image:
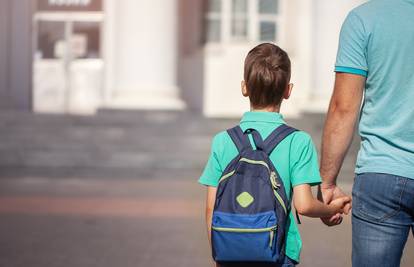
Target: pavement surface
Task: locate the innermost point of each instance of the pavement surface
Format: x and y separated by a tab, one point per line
119	189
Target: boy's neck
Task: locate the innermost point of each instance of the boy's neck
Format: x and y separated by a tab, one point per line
266	109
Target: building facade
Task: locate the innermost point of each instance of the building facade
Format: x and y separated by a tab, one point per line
77	56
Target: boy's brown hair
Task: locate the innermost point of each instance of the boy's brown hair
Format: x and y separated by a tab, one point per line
267	71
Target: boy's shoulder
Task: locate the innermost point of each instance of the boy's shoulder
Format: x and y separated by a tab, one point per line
221	137
300	143
222	141
301	137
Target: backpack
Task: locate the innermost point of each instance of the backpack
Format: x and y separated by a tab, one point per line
251	207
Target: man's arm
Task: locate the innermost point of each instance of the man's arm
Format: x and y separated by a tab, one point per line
339	130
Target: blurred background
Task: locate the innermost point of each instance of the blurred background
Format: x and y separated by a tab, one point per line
108	109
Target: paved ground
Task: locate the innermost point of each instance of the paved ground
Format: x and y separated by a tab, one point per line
119	189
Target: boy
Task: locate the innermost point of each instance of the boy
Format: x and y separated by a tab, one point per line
267	73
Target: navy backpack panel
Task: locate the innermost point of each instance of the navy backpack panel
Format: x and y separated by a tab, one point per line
251	207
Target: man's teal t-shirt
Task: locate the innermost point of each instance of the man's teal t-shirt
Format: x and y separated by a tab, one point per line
377	41
295	159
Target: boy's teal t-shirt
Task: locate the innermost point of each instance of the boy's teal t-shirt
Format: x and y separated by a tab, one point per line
377	41
295	159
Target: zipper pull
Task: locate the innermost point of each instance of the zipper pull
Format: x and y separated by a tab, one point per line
273	180
271	239
272	234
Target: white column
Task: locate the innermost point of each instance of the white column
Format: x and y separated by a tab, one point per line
328	18
145	61
298	36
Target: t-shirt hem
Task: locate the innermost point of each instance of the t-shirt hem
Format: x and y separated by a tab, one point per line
351	70
206	183
293	255
311	182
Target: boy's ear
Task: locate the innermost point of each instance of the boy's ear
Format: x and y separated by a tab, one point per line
244	90
288	91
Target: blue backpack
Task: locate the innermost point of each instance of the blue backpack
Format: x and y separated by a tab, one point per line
251	207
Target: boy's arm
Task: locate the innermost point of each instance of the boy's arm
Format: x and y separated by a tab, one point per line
307	205
211	197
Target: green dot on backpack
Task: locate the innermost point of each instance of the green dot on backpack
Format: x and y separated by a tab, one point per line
244	199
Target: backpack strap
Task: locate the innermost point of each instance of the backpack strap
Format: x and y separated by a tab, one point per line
277	136
257	138
274	139
238	137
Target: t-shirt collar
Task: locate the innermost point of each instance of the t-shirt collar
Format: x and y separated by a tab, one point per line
261	116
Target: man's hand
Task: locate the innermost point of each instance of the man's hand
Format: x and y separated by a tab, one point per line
331	192
327	193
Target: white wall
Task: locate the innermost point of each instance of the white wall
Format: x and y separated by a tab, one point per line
298	45
223	73
328	18
223	66
311	39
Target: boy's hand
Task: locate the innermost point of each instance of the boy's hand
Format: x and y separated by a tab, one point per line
327	193
333	221
339	204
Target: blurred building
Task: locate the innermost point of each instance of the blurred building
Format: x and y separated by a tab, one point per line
76	56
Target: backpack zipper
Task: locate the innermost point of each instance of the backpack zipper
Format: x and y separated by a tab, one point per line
272	177
256	162
250	230
276	187
224	177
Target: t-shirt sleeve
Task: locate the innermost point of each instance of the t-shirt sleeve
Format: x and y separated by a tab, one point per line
352	50
304	167
213	170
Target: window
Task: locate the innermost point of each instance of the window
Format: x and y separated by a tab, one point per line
51	36
243	21
267	31
214	21
86	40
239	20
268	11
268	6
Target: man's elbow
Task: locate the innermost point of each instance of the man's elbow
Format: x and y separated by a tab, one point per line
343	109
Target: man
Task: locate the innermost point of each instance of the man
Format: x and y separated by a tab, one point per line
375	57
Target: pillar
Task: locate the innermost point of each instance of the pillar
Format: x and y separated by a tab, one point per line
145	44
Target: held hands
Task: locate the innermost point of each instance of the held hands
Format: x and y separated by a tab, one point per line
339	204
333	195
